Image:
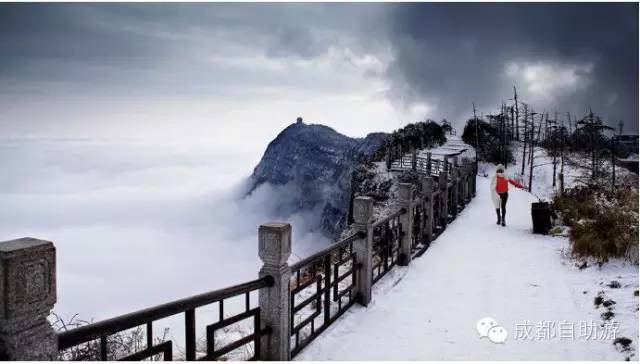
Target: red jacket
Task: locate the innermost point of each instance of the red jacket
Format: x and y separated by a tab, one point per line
502	184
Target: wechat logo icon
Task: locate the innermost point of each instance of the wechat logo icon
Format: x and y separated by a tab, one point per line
488	327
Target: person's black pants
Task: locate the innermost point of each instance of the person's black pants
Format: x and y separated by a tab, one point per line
503	203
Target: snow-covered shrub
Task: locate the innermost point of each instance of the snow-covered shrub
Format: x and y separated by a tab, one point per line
603	224
366	182
119	345
419	135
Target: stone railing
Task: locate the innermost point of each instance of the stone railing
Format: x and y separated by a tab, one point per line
295	302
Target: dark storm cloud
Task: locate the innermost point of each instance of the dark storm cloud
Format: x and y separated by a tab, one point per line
455	54
561	56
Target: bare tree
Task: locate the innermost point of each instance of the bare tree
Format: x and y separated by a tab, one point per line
593	126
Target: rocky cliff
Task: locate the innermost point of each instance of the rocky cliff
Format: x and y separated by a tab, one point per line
315	163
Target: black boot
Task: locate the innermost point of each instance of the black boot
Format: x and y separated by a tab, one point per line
504	214
498	214
503	224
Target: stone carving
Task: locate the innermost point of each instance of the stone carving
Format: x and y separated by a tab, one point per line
27	295
274	250
274	243
362	209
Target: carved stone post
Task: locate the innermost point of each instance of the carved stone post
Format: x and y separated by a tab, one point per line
27	295
389	160
455	178
463	182
406	191
429	164
467	179
414	160
427	189
473	180
274	250
363	248
444	194
461	186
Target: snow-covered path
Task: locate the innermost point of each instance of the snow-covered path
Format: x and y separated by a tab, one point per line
473	270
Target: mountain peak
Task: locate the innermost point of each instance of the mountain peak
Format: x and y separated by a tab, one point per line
315	162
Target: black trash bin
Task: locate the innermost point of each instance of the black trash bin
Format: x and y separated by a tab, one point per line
541	216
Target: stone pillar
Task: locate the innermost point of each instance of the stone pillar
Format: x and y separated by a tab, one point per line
414	160
427	188
473	180
444	194
406	191
460	188
363	248
455	178
429	164
463	182
274	249
389	160
467	179
27	295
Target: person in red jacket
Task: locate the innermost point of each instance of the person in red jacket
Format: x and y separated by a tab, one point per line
500	192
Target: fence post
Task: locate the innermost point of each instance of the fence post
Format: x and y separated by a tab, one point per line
460	186
465	180
27	295
469	174
363	248
444	194
388	160
274	249
473	181
405	191
427	190
414	159
455	178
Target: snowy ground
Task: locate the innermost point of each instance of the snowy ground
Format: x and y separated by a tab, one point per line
477	269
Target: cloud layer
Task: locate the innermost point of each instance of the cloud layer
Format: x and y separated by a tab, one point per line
125	215
564	57
188	69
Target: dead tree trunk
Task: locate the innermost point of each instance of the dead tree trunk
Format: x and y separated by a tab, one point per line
477	136
554	134
515	101
533	127
513	124
524	137
593	147
613	163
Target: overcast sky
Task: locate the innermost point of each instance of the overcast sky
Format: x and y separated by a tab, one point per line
219	72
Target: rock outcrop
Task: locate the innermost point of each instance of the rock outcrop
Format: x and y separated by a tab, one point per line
315	163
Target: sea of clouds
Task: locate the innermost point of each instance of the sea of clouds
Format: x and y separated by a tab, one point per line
136	223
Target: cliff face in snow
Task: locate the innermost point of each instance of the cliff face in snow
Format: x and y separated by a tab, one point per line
314	164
